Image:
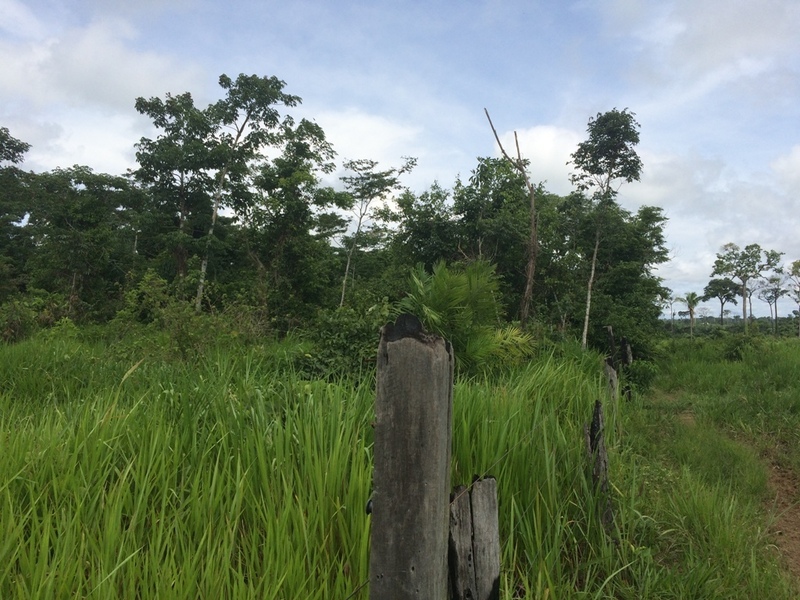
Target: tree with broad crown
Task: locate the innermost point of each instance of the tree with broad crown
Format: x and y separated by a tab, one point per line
229	136
745	265
724	290
607	156
14	245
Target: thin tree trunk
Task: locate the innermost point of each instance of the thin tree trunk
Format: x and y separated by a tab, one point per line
776	316
589	292
198	301
240	129
346	272
362	213
744	304
530	270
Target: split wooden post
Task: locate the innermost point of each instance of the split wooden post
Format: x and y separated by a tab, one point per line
411	482
475	542
462	559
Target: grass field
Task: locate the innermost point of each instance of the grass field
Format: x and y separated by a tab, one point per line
230	476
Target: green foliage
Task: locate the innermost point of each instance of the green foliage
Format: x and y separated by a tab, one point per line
211	474
736	347
462	304
17	320
642	374
745	264
609	153
700	446
493	217
345	342
152	312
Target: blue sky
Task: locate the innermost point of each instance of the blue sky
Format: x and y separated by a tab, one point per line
715	85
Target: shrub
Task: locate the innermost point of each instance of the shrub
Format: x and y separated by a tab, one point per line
735	347
345	341
17	321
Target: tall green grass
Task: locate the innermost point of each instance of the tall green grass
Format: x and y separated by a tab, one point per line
233	477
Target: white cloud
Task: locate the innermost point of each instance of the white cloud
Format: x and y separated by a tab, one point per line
86	80
356	134
548	148
18	20
97	65
104	144
787	168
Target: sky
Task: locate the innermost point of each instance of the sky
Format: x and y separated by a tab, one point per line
714	84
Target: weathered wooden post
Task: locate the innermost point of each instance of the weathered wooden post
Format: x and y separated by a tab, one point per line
475	541
411	482
598	460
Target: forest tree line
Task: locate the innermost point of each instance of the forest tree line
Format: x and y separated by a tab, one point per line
226	211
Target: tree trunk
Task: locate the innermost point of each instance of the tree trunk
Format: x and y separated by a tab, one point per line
198	301
533	251
744	303
589	292
346	272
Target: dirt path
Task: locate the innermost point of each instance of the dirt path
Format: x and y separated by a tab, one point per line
786	527
784	505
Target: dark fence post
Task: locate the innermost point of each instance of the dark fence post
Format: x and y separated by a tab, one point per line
411	483
598	461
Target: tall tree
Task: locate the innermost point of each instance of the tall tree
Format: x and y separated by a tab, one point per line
745	264
289	224
367	186
425	227
793	272
14	244
82	227
491	211
229	135
176	169
770	290
606	158
724	290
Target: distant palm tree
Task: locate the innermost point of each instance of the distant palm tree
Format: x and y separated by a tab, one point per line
691	300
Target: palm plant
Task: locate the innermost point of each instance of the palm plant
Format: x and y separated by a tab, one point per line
691	300
462	304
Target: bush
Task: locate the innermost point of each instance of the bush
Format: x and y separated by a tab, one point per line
345	341
641	374
17	321
735	347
